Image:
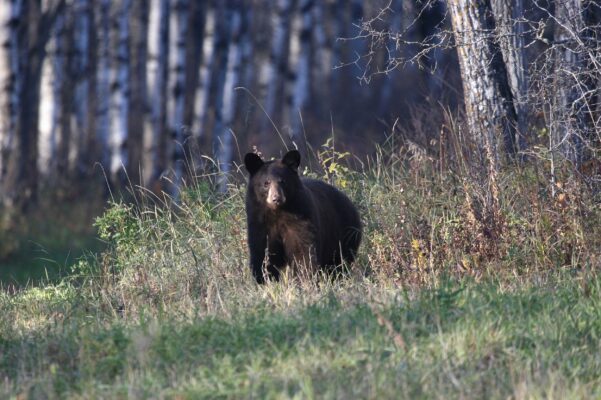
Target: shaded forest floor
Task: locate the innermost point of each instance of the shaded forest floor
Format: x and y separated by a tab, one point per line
41	246
438	304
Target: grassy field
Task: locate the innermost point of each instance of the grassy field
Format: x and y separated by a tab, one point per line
442	302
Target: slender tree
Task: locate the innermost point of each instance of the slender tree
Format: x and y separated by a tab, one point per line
572	81
302	85
6	128
33	27
510	20
214	17
103	82
65	91
178	31
120	89
138	62
226	102
487	95
155	161
85	90
277	69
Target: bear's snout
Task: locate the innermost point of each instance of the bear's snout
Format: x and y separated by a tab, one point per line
275	196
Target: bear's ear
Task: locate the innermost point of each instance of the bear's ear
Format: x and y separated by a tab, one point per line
292	159
253	163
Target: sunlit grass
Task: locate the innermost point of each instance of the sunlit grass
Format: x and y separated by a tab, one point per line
171	309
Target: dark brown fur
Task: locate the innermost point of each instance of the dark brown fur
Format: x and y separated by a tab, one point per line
302	222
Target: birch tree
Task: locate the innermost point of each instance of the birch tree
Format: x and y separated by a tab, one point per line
323	65
49	104
487	99
135	143
510	20
487	95
178	28
103	80
277	69
302	84
6	72
156	80
85	90
65	90
120	89
572	80
225	104
209	43
34	24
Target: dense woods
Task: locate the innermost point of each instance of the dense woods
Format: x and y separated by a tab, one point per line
467	133
154	91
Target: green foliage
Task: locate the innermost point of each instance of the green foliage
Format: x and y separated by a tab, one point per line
333	164
118	226
432	308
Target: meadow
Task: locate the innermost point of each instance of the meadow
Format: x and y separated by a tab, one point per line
440	304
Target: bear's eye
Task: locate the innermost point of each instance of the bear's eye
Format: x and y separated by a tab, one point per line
266	183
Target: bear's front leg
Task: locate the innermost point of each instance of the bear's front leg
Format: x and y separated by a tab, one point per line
257	242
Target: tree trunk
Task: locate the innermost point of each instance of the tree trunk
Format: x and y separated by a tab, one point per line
323	65
50	104
120	91
65	91
278	67
572	82
488	103
33	36
178	31
302	84
226	100
85	89
209	43
155	161
510	32
6	75
487	95
135	138
103	80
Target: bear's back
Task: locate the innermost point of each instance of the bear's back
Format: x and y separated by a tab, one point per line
337	221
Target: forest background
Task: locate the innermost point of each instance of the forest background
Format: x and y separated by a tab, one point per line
102	97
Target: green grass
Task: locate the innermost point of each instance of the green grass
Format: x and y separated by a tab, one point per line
435	307
352	340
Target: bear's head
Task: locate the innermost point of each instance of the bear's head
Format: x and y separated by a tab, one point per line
274	183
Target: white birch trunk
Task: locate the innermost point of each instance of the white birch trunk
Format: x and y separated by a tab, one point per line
104	82
178	28
323	65
277	68
223	124
509	15
82	66
204	80
11	87
487	96
302	84
158	51
289	78
47	124
569	131
119	107
5	89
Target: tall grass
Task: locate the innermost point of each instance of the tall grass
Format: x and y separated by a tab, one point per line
442	302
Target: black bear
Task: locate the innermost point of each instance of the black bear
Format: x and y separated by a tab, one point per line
302	222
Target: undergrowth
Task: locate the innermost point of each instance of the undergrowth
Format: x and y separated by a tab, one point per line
440	303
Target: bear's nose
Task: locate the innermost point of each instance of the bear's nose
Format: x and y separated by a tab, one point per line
276	199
